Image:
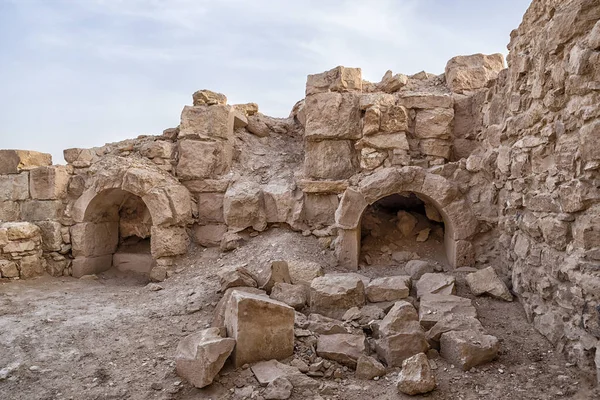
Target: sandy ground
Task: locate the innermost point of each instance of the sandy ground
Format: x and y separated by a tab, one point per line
113	338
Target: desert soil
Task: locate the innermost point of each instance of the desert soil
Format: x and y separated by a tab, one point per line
114	338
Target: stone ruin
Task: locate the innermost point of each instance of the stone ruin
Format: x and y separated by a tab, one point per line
497	165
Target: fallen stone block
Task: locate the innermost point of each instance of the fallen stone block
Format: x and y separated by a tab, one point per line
278	389
333	294
406	223
278	271
388	289
324	325
453	322
343	348
14	161
396	318
368	368
263	328
267	371
416	376
240	276
432	283
292	295
434	307
486	281
416	268
467	349
303	272
409	340
200	356
364	315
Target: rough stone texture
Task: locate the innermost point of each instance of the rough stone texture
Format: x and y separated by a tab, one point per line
454	322
464	73
396	319
48	183
169	241
234	277
279	388
388	288
467	349
338	79
409	339
330	159
277	272
416	268
14	161
262	328
200	356
435	283
293	295
332	116
416	376
434	307
243	207
324	325
303	272
486	281
368	368
333	294
343	348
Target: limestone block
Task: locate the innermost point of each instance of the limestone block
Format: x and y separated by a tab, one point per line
19	246
41	210
169	241
588	136
416	376
9	211
454	322
310	186
333	294
206	122
406	223
434	307
392	83
434	123
276	272
422	100
219	313
243	207
14	187
200	356
268	371
202	159
210	207
394	118
8	269
49	183
486	281
257	125
466	73
207	97
281	202
435	147
319	209
209	235
236	277
263	328
386	141
158	149
14	161
302	272
320	324
208	185
90	239
371	121
389	288
350	210
338	79
368	368
248	109
20	230
278	389
435	283
396	319
343	348
464	254
467	349
406	342
464	224
416	268
332	116
51	235
586	232
330	159
293	295
31	266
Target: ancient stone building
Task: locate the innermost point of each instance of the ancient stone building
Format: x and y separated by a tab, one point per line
502	161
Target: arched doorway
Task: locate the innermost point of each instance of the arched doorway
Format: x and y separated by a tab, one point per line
459	223
115	232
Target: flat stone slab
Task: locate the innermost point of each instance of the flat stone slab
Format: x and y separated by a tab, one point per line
434	307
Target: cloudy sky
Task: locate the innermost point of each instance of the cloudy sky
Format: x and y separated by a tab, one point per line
81	73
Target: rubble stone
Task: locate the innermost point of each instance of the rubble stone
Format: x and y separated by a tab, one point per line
434	307
343	348
416	376
467	349
293	295
368	368
388	288
333	294
435	283
485	281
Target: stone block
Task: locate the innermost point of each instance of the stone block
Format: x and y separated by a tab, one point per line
333	294
588	137
41	210
406	342
322	325
295	296
416	376
14	161
203	159
349	213
422	100
338	79
169	241
368	368
486	281
9	211
343	348
8	269
389	288
210	207
319	209
91	265
206	122
302	272
51	235
158	149
310	186
330	159
282	202
434	123
243	207
235	277
20	230
31	266
90	239
200	356
21	246
14	187
49	183
333	116
417	268
467	349
263	328
394	118
384	141
454	322
207	97
435	283
209	235
436	148
396	319
434	307
467	73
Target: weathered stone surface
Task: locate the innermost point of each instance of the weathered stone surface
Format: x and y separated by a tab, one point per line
343	348
388	288
209	235
41	210
435	283
8	269
338	79
49	183
14	161
416	376
200	356
391	83
14	187
395	140
333	294
435	123
464	73
406	223
203	159
234	277
368	368
279	388
434	307
310	186
333	116
206	122
396	319
408	340
467	349
486	281
324	325
330	159
248	109
425	100
90	239
31	266
219	313
9	211
276	272
454	322
267	371
243	207
257	125
169	241
207	97
302	272
51	232
263	328
293	295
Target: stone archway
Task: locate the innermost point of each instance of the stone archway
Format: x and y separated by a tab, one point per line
96	213
460	223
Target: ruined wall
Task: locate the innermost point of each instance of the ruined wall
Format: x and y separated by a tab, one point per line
542	124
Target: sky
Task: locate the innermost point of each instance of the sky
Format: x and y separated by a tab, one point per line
82	73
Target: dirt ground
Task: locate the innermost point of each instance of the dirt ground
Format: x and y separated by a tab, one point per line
114	338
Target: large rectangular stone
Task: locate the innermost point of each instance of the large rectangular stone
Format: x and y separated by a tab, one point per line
94	239
210	207
14	187
51	235
332	116
434	123
169	241
14	161
91	265
9	211
207	122
338	79
202	159
263	328
41	210
49	183
330	159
